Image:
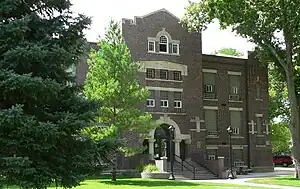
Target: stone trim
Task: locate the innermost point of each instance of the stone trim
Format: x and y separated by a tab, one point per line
234	73
258	115
237	147
209	70
165	65
237	137
212	147
151	79
260	146
235	109
210	107
214	100
164	89
168	113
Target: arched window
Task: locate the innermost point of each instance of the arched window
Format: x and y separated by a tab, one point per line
163	44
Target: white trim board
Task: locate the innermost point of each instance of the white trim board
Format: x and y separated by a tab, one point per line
164	89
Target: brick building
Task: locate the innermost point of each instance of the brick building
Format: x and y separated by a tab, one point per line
200	95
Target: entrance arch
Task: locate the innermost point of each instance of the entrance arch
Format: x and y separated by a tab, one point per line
178	137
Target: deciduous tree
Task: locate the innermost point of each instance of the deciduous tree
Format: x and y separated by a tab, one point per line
274	27
229	51
113	80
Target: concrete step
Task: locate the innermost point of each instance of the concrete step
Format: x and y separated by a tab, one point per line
186	173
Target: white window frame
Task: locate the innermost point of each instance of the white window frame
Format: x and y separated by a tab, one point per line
180	103
236	131
177	48
167	44
180	76
162	105
150	100
147	73
211	157
151	41
235	90
208	87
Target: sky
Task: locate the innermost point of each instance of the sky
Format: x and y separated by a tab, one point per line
101	13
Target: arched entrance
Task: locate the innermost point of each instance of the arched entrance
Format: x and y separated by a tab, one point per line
162	142
162	132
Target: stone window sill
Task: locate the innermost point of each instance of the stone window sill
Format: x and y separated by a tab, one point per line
167	113
167	80
163	53
207	99
236	101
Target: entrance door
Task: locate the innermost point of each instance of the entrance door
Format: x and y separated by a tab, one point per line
162	140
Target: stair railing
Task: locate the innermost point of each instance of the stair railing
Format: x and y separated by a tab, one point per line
193	170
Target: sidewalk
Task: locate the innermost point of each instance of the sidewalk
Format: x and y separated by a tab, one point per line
242	179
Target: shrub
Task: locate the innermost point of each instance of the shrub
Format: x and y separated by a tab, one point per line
150	168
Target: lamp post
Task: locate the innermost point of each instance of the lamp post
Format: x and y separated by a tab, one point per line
171	128
231	175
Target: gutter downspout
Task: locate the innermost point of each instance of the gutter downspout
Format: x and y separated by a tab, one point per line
247	111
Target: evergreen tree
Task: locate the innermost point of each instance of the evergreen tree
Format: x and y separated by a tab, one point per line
41	112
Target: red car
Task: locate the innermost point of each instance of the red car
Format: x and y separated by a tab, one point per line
284	160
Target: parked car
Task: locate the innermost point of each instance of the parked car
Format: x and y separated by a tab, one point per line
284	160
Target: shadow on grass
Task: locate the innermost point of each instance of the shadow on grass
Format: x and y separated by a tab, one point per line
148	183
287	179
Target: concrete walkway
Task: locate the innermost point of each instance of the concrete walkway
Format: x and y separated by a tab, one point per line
242	179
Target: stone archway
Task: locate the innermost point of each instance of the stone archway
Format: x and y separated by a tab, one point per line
178	137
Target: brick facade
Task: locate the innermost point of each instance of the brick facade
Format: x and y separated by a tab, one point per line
252	147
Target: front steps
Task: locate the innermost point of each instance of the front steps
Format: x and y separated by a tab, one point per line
185	174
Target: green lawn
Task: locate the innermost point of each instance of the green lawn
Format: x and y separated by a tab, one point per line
282	181
153	184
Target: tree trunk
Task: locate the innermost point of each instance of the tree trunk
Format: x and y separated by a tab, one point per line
295	120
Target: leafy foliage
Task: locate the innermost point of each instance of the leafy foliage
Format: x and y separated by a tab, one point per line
41	113
274	27
280	138
229	51
150	168
113	80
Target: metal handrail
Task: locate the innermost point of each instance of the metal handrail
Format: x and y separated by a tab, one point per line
182	165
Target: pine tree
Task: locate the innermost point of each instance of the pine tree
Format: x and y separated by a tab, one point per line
41	112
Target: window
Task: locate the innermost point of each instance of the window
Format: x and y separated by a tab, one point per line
164	103
209	80
211	157
258	91
151	46
164	74
177	100
259	125
210	117
150	73
234	82
211	154
177	104
208	88
235	90
236	131
163	44
175	48
236	121
150	103
177	75
238	156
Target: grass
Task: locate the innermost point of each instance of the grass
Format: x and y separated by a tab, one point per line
127	183
282	181
154	184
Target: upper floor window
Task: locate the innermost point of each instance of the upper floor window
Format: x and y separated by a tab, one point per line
151	46
209	80
175	48
164	74
163	44
150	73
177	75
258	91
234	83
210	117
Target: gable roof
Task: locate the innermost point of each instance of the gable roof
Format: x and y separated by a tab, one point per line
160	10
